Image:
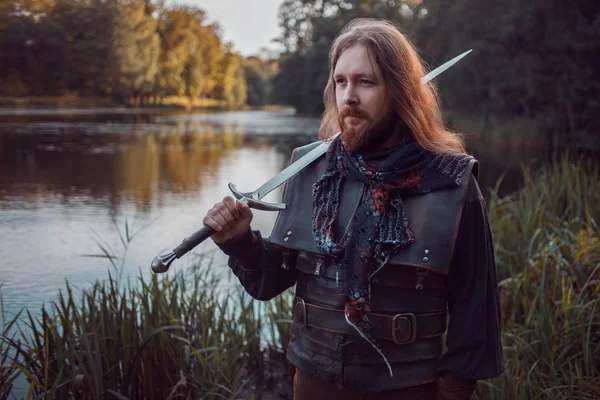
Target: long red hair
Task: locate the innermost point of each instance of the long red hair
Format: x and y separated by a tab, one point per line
402	69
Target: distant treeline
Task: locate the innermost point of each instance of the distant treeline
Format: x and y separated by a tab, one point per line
120	48
535	60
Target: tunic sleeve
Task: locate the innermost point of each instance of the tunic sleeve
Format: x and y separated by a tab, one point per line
257	263
473	337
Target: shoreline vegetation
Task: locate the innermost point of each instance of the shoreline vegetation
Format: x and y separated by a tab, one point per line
168	102
58	102
176	335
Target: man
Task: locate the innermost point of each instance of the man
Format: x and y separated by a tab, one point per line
384	237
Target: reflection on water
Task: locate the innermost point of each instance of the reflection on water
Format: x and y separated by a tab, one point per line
65	179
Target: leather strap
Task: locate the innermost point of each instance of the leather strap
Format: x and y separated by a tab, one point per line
405	277
384	300
401	328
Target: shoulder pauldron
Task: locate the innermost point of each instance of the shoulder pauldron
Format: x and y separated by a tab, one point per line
434	217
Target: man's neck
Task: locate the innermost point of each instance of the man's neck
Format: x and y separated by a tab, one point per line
394	138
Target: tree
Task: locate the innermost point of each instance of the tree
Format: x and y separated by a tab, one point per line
259	80
308	29
531	59
230	82
256	81
135	49
123	48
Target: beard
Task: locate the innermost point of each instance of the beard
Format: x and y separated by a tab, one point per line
360	132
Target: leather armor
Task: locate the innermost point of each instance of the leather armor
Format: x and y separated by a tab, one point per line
408	305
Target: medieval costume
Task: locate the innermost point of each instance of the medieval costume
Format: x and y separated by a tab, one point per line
382	248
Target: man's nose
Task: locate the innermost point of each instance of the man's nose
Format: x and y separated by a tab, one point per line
350	96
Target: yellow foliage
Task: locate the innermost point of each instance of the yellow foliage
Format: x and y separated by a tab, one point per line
587	246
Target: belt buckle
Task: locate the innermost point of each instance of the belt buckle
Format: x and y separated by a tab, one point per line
304	318
412	321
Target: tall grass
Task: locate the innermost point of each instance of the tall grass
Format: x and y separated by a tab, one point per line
8	344
163	338
547	244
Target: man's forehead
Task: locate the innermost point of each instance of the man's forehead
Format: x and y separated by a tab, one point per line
356	60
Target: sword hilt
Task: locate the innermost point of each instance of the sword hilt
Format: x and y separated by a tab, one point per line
162	262
254	202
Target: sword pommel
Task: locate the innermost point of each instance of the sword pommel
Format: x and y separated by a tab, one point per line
162	263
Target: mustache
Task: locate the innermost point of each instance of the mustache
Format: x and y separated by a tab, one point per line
349	111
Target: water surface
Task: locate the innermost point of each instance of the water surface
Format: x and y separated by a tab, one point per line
71	179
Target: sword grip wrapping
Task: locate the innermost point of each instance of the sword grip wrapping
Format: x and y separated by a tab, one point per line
194	240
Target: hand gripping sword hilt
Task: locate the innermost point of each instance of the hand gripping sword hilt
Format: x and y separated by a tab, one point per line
162	262
253	201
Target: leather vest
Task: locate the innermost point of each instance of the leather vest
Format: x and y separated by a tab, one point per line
408	305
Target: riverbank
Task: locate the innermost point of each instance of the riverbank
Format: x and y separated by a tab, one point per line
166	336
519	134
168	102
179	102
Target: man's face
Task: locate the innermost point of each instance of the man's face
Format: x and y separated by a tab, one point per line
361	100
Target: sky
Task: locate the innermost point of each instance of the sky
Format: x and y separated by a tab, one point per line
249	24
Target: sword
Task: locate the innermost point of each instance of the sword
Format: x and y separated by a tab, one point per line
162	263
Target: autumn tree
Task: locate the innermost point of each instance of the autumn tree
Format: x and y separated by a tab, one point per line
230	80
122	48
135	50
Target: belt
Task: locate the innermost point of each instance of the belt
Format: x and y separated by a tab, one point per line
401	328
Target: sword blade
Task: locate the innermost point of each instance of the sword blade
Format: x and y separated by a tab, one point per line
291	170
443	67
315	153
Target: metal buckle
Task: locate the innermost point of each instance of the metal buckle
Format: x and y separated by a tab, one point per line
284	263
304	321
421	273
320	262
412	335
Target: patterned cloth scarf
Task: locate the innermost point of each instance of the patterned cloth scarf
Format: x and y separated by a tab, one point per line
379	227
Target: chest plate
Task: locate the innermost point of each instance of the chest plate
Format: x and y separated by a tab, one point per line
434	217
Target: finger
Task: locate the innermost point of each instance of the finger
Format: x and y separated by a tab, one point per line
244	209
217	216
230	204
224	211
210	221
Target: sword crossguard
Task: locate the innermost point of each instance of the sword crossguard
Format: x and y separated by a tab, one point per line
251	198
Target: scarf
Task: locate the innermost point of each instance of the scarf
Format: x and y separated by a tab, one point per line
379	227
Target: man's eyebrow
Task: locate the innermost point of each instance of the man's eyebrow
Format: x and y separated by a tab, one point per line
366	75
358	75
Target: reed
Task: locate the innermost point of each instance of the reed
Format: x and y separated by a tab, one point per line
164	337
547	245
8	344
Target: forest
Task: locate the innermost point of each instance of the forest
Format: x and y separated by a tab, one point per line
119	48
533	63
